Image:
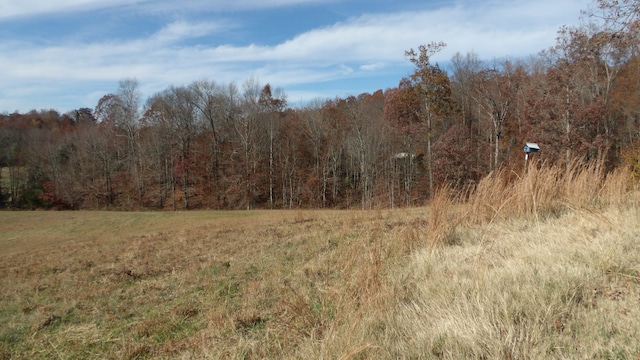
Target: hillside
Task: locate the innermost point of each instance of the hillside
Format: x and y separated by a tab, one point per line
487	277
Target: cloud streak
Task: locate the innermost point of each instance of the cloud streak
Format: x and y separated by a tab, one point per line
26	8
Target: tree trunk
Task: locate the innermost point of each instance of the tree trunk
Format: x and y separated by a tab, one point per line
429	157
271	166
497	150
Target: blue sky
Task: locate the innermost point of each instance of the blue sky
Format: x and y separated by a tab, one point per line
66	54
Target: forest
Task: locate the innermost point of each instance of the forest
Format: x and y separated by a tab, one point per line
211	145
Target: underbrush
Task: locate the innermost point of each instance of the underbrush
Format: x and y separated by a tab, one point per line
540	266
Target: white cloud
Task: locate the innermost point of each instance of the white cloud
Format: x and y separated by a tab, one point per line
181	29
366	44
12	8
24	8
373	66
385	37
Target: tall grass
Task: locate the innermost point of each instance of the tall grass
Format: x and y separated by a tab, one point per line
543	265
544	191
564	288
551	190
548	268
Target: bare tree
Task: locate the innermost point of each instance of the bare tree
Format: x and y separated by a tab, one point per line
247	129
217	105
175	108
464	70
122	111
315	131
272	105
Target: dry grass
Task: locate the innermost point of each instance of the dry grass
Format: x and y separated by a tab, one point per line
544	266
562	288
544	192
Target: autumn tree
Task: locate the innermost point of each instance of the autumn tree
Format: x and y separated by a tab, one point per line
82	116
620	16
335	129
495	93
627	103
461	151
217	105
364	116
465	69
385	136
122	111
588	62
101	163
175	109
314	129
4	159
159	156
290	140
247	133
11	160
455	157
272	106
434	91
620	31
401	111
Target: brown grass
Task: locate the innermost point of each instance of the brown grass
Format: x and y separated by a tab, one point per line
540	266
547	191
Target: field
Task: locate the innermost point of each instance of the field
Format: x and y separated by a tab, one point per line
545	266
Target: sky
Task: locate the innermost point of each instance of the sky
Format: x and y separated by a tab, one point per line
67	54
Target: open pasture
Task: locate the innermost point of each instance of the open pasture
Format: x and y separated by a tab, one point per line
557	279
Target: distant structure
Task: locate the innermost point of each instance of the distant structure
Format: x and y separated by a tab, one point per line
404	155
529	148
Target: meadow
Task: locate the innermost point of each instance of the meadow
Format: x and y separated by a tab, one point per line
540	266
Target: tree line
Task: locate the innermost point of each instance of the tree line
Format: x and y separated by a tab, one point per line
227	146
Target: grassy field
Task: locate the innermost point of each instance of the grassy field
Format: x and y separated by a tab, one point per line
546	266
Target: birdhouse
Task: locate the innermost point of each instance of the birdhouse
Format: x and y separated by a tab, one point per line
531	148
